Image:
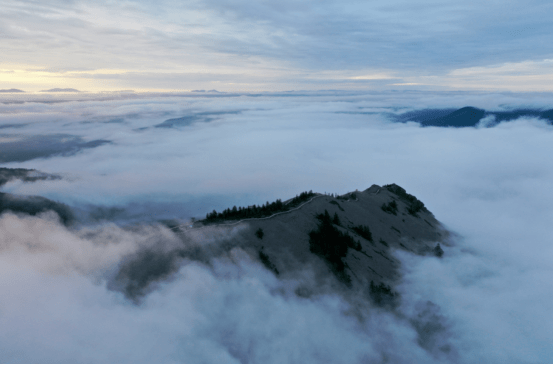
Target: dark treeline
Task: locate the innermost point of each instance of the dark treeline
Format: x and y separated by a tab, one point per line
391	207
363	231
438	251
330	243
382	295
414	205
34	205
264	258
255	211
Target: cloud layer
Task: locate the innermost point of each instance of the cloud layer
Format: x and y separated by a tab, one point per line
489	299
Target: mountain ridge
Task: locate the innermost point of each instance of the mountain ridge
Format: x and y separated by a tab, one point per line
284	242
469	116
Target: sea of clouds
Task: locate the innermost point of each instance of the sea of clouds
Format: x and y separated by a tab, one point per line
489	299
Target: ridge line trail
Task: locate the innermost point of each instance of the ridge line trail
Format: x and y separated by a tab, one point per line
187	226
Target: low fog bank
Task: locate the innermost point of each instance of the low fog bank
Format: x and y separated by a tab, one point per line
58	306
69	297
68	293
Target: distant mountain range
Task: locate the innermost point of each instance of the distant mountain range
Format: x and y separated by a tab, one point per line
58	90
55	90
468	116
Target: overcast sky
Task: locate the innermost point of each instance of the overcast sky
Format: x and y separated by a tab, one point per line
267	45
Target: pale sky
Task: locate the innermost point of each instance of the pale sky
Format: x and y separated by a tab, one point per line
276	45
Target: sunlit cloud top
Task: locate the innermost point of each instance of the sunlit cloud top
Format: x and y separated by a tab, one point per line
271	46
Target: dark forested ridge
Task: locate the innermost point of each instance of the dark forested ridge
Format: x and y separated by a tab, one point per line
255	211
468	116
33	205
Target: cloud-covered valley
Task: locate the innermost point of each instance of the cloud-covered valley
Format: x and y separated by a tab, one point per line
162	157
